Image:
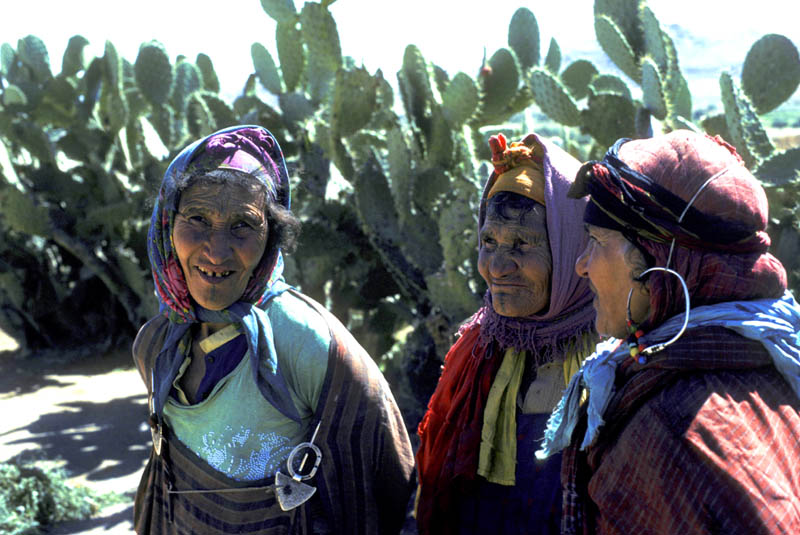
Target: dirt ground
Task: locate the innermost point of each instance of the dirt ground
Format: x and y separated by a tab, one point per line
89	414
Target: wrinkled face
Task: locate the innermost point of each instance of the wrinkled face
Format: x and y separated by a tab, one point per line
515	261
220	234
611	262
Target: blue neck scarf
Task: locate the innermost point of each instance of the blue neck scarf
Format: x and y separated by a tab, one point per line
773	322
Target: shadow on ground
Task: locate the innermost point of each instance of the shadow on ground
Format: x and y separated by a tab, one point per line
101	440
24	373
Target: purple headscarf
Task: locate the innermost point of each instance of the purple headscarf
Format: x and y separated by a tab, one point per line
570	313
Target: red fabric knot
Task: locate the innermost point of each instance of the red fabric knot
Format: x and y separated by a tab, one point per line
718	139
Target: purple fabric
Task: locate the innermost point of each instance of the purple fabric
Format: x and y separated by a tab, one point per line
219	363
570	312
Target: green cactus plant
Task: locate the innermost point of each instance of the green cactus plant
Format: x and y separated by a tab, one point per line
523	37
771	72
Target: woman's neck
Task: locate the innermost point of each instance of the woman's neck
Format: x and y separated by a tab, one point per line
207	329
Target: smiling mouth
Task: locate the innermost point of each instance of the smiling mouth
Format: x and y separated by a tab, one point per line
213	274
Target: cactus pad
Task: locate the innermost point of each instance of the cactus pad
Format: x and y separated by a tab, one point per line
747	133
321	38
780	168
207	72
608	118
73	60
265	68
771	72
652	89
280	10
460	99
33	53
614	44
523	37
609	84
577	77
500	82
290	53
553	59
153	72
553	98
353	101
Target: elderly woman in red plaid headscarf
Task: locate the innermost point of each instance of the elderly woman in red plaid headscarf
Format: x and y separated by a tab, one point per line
692	423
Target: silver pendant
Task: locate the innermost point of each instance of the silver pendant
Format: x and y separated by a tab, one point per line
291	493
290	490
158	438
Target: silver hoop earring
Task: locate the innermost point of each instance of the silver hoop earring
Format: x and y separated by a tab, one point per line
637	350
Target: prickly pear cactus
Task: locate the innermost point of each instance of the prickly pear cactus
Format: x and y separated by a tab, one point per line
154	74
523	37
553	97
747	133
771	72
577	76
616	46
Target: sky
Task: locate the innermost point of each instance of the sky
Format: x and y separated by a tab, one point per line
375	32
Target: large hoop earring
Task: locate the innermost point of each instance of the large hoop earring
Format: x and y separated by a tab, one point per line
658	347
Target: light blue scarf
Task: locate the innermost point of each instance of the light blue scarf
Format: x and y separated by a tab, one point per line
773	322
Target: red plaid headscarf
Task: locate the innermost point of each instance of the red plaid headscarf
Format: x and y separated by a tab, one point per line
642	188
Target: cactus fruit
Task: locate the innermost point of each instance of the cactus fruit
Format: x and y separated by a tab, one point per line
265	68
771	72
523	37
500	84
577	76
553	98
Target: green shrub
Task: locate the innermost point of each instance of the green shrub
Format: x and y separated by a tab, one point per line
35	495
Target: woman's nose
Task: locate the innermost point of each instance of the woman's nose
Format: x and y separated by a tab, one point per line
502	264
581	264
218	246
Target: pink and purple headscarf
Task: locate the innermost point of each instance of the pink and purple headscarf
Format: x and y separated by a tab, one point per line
570	314
255	151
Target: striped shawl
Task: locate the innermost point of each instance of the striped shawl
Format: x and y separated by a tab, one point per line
363	484
704	438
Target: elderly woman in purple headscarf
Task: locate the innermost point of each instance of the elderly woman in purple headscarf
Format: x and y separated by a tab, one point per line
267	416
507	370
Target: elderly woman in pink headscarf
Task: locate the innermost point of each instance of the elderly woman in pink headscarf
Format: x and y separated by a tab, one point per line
507	370
267	416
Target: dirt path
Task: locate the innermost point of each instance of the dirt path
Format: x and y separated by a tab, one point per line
90	414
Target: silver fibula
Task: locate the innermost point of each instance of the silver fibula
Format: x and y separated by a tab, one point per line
290	490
